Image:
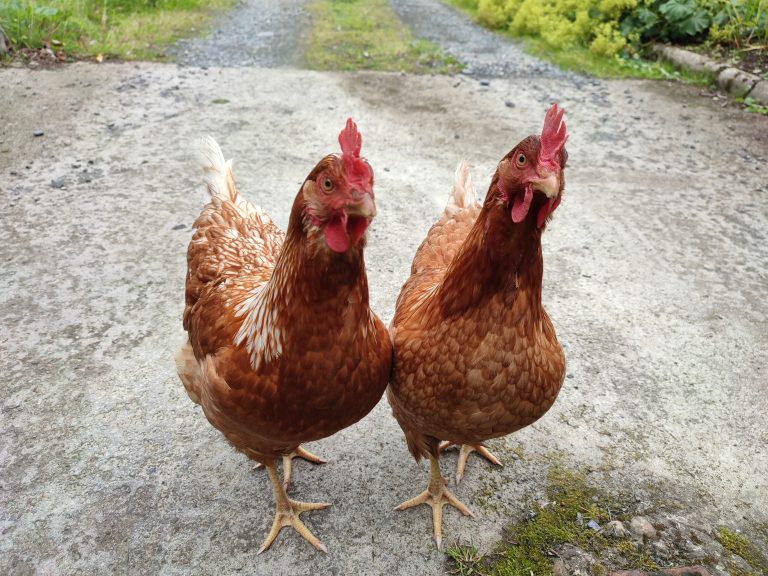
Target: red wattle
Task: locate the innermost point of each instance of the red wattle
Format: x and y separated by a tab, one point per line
521	205
336	234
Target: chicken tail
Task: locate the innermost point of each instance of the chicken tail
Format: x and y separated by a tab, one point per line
217	171
463	194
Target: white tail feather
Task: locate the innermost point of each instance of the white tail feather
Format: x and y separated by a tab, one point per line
217	171
463	194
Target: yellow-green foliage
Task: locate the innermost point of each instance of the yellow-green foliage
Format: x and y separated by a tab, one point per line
593	24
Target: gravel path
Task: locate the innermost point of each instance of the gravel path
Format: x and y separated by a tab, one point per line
485	53
260	33
655	278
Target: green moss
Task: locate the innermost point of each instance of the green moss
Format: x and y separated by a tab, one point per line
368	35
528	545
736	544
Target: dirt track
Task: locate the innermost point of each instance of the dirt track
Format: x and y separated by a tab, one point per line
655	274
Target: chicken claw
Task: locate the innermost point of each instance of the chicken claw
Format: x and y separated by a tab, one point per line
464	452
287	513
436	495
287	463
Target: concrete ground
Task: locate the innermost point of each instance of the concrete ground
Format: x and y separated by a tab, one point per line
656	268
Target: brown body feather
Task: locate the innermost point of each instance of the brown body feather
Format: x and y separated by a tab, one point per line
476	356
283	347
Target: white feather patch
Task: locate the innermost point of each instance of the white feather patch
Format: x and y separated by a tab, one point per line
215	167
463	193
259	329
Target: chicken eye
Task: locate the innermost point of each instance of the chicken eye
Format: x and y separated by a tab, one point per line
327	184
520	160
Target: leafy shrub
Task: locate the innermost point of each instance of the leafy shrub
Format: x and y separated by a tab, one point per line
611	27
667	20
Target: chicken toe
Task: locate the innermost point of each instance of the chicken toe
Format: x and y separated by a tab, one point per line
436	495
287	514
464	452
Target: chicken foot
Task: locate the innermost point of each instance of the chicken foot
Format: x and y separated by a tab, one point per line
436	495
464	452
287	513
288	463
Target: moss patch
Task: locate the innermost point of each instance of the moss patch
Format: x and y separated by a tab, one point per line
736	544
529	545
368	35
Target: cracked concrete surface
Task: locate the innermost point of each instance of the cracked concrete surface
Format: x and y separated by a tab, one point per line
655	278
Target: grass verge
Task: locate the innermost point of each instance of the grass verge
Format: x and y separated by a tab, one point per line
126	29
368	35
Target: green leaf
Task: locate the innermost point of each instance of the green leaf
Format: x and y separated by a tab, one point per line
694	24
675	10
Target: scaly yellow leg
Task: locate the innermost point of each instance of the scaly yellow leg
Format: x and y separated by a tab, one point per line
288	463
287	513
464	452
436	495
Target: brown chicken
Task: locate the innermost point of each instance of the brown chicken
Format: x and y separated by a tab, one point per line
283	347
476	356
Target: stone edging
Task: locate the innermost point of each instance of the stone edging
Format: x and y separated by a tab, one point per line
736	82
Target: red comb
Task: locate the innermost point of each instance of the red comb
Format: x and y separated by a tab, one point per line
351	141
553	136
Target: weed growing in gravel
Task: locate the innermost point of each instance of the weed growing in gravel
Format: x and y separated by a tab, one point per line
368	35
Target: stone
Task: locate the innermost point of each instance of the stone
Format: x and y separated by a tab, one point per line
760	92
736	82
660	550
641	528
616	529
687	59
694	551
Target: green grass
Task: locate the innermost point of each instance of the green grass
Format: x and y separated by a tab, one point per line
582	60
751	105
368	35
528	545
126	29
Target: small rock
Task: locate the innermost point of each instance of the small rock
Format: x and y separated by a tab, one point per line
616	529
694	552
37	133
592	525
179	227
485	82
642	528
58	183
509	104
660	550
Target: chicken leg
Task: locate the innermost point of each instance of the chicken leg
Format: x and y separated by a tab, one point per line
436	495
464	452
287	513
288	460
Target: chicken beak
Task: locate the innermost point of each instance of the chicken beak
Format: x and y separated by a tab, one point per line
549	185
363	206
